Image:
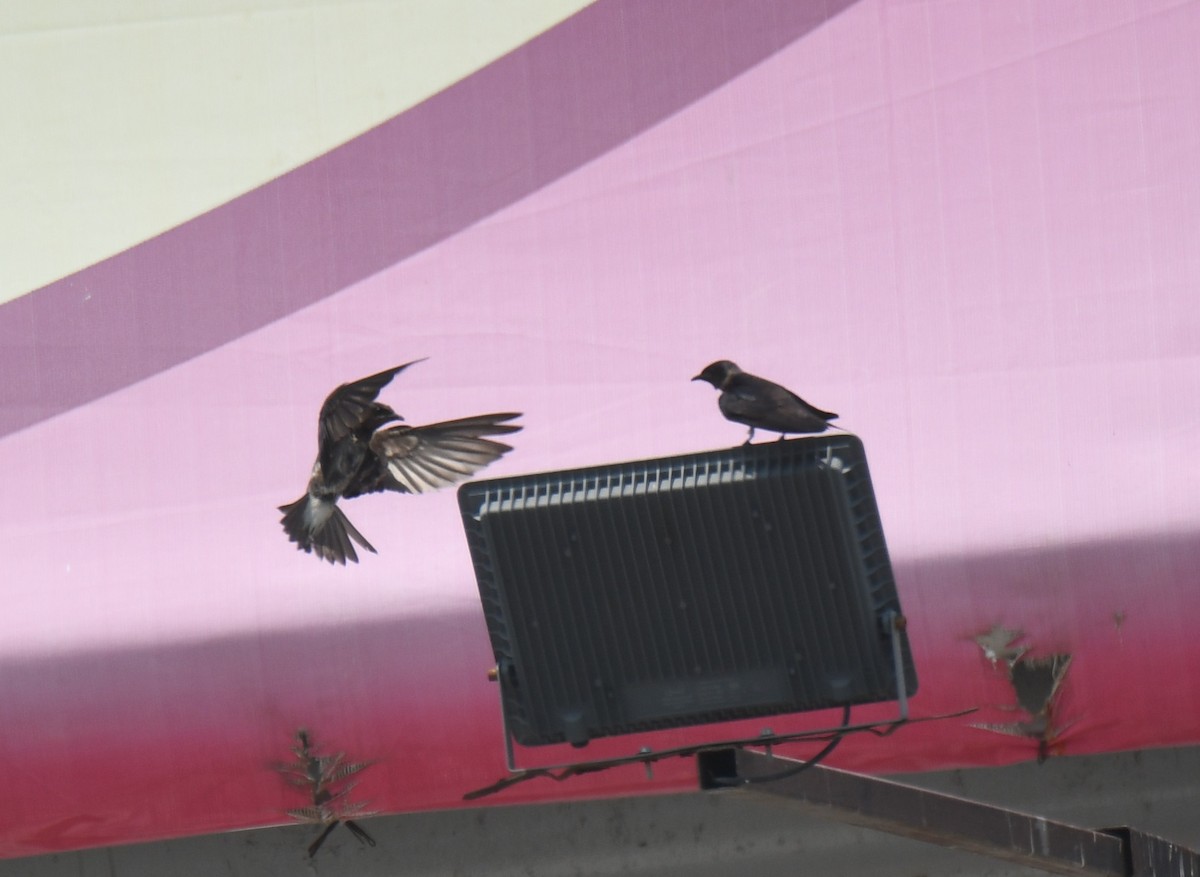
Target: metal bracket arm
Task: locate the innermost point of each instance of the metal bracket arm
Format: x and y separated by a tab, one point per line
946	820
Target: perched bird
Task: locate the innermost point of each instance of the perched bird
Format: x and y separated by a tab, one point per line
761	404
356	454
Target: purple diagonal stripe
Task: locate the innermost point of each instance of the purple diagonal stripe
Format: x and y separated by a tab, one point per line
582	88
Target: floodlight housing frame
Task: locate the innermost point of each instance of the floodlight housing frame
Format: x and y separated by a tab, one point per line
832	465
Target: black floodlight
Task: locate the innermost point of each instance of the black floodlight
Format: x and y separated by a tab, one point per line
686	590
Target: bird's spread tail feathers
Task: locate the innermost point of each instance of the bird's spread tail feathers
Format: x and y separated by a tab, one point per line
320	527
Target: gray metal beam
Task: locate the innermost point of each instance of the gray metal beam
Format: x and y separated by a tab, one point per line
1151	856
935	817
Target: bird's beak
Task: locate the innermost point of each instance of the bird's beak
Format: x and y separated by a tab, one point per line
698	378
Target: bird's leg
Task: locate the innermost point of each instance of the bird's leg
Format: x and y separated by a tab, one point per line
782	436
316	844
750	437
359	832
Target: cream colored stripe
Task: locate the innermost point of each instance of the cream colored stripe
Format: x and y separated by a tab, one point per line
126	117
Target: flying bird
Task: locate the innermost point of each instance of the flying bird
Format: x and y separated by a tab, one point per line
358	452
762	404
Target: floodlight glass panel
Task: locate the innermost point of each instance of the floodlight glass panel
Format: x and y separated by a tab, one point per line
685	590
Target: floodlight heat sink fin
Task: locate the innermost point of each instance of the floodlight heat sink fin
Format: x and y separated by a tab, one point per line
686	590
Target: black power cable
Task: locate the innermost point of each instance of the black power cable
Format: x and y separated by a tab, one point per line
794	769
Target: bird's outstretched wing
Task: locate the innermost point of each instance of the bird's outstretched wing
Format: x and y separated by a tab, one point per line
347	407
417	459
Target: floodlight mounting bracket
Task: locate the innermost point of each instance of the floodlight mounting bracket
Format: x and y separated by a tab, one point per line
894	622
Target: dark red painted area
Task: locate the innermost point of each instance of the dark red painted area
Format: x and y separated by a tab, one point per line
146	744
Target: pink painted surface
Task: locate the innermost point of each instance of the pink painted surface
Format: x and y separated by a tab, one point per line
973	229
